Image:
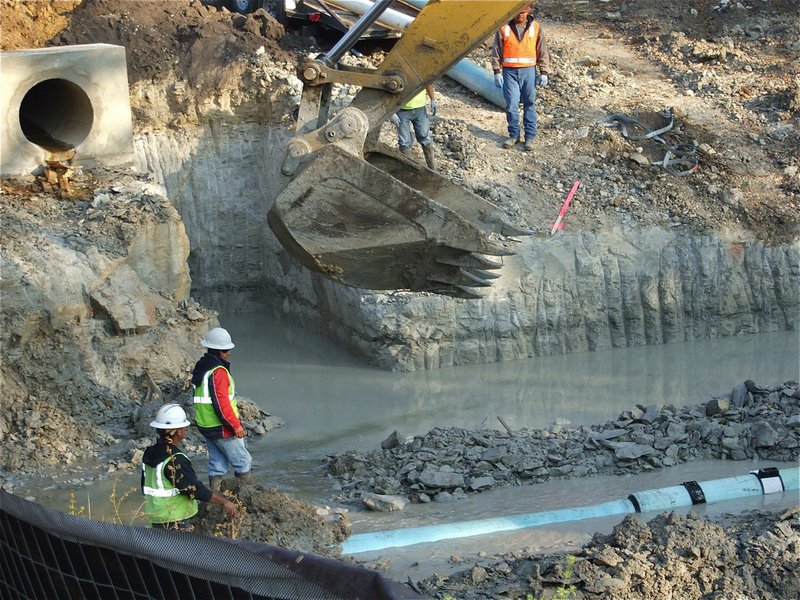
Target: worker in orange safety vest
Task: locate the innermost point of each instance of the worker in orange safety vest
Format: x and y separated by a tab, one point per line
521	63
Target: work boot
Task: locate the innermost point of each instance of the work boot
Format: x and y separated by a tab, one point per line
510	143
429	158
215	482
529	145
405	151
245	477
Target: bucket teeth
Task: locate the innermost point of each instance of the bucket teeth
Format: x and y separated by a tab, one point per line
471	261
460	277
484	275
466	293
513	230
476	280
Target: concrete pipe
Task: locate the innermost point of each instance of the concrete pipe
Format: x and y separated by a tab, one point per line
56	102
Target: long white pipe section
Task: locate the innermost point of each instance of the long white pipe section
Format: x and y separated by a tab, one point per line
389	17
465	72
763	481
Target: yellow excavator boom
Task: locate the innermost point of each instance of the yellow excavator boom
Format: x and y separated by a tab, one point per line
362	214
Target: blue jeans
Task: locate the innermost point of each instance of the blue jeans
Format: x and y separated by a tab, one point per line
519	85
418	117
225	452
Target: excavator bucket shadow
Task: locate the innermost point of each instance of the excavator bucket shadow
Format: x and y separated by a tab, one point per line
388	223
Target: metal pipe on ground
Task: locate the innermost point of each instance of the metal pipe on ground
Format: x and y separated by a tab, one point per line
763	481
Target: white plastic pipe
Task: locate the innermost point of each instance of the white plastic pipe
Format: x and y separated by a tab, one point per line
389	17
365	542
465	72
763	481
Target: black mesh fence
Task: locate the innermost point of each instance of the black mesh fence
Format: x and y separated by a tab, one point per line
46	554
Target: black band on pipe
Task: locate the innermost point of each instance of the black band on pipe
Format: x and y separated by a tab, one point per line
770	480
695	492
632	499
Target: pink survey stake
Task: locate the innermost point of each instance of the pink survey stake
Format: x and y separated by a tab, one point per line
558	225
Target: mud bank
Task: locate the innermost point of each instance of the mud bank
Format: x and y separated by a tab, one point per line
746	556
95	287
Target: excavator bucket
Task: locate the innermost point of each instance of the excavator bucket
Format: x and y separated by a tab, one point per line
362	214
387	223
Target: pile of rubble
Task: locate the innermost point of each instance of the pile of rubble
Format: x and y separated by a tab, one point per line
448	463
754	555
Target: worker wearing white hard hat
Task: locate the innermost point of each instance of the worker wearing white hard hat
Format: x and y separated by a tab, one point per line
169	483
217	412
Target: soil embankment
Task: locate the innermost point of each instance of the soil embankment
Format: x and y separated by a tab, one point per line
746	556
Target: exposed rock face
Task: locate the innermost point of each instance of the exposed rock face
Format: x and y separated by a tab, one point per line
589	291
95	295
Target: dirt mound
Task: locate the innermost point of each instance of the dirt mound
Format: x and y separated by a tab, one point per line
185	59
195	41
272	517
671	556
32	24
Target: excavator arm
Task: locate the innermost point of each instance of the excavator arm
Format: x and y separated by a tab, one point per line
361	213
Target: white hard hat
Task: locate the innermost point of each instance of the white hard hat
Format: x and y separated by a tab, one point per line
170	416
218	339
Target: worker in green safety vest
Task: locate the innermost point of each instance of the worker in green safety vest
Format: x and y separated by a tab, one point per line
415	114
216	411
169	484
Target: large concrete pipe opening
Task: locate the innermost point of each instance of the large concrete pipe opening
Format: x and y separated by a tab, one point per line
64	98
56	114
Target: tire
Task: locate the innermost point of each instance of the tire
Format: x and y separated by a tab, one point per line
276	9
241	6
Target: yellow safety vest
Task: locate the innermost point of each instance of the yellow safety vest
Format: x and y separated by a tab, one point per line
204	413
164	503
417	101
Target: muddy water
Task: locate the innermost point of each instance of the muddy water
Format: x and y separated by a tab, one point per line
333	402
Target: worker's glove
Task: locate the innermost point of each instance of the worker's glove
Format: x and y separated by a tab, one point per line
498	79
394	120
543	81
434	108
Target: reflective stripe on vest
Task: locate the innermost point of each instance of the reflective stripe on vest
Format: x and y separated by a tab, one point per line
204	412
520	53
417	101
164	502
